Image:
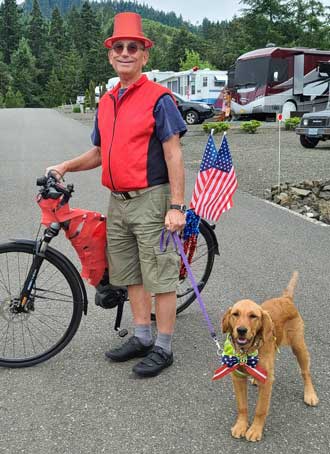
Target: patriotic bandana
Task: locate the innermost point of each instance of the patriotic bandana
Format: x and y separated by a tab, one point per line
232	360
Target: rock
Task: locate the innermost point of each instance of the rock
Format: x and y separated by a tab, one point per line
282	199
324	195
309	198
300	192
268	194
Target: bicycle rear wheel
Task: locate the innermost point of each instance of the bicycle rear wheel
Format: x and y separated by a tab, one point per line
53	312
201	267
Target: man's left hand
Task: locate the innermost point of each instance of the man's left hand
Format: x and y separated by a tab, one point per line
175	220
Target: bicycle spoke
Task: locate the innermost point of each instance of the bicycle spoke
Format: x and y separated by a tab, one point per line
47	316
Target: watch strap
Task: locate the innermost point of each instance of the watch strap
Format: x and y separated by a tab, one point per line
181	208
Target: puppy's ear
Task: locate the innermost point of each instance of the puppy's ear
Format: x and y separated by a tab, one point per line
225	321
267	327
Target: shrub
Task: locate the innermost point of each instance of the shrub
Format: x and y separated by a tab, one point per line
76	109
250	126
220	126
291	123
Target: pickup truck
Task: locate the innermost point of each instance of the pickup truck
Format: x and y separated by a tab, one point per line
314	126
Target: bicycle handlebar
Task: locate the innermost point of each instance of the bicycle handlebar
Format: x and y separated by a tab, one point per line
53	189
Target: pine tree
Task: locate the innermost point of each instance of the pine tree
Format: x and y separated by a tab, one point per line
36	33
71	75
25	73
5	77
13	99
92	95
10	29
54	93
57	34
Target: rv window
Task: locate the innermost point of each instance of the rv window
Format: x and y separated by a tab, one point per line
278	72
253	71
204	81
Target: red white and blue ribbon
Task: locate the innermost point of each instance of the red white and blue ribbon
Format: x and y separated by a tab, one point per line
247	362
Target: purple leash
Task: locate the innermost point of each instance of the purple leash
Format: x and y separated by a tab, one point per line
178	246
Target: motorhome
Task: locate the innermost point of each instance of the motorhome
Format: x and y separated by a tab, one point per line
201	85
275	80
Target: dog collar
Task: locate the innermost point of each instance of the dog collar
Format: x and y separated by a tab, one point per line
231	361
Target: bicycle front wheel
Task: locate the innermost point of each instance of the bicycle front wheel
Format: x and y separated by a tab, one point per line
52	314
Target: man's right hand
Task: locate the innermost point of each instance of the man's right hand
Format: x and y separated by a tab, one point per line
58	170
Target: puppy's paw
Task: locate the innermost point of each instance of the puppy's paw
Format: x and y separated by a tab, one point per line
310	398
254	433
239	429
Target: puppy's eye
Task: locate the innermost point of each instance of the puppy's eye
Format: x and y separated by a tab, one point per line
235	314
253	316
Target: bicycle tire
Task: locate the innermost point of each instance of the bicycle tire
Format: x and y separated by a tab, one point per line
204	257
52	268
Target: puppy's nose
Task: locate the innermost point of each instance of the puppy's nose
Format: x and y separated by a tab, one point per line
241	330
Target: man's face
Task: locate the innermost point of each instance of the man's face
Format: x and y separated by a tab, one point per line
128	57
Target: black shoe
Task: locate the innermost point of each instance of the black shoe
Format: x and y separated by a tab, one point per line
133	348
157	360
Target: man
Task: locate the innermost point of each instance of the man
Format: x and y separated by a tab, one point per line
136	140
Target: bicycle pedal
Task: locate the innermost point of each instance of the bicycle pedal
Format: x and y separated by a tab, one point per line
123	332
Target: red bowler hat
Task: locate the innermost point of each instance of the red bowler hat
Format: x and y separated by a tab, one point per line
128	26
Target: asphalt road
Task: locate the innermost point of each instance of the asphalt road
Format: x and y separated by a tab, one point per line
79	403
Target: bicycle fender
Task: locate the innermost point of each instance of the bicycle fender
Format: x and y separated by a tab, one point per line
211	228
68	263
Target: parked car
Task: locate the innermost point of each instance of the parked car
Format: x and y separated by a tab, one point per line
314	126
193	112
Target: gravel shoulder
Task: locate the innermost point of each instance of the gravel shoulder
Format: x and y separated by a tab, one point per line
255	156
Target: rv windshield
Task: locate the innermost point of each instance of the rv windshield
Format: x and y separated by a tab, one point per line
253	71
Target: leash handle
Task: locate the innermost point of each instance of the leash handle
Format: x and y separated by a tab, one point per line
178	246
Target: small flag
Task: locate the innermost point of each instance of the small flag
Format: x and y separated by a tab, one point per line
216	182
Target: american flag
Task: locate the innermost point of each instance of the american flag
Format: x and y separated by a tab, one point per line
216	182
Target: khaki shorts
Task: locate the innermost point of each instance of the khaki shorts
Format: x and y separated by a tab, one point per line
133	232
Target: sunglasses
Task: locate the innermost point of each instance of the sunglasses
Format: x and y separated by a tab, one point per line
131	48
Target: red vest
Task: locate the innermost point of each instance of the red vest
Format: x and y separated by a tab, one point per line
132	156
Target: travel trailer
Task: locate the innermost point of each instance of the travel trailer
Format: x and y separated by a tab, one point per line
275	80
201	85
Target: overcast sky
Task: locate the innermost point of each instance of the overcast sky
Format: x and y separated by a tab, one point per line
196	10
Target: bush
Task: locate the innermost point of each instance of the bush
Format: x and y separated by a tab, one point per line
250	126
76	109
220	126
291	123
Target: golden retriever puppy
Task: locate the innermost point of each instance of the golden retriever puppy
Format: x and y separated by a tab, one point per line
261	329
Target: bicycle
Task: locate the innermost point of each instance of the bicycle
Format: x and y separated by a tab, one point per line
42	294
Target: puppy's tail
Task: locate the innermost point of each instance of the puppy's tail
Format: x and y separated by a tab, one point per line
289	291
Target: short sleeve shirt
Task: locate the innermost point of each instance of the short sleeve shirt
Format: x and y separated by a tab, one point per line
168	119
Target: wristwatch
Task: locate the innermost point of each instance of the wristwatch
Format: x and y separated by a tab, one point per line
181	208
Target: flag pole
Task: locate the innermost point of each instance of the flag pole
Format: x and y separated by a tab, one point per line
279	117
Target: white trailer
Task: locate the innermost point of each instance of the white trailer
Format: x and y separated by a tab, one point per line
202	85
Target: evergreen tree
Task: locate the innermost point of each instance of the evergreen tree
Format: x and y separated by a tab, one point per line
25	73
71	75
92	95
182	40
57	34
10	29
54	95
2	101
36	33
74	27
5	77
13	99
